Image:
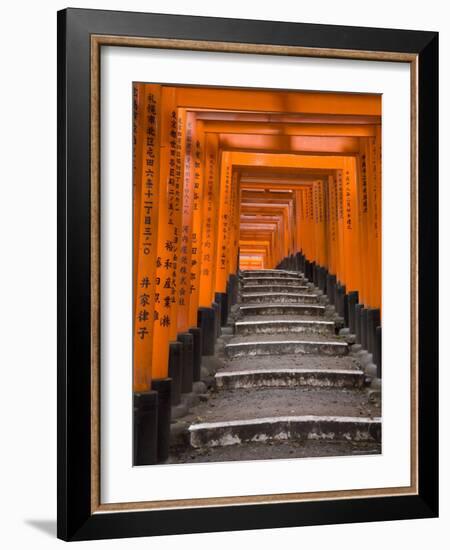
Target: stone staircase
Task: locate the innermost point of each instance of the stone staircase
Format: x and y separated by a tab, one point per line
286	380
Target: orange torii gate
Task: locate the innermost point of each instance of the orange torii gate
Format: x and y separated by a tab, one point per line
210	166
348	193
267	227
316	198
293	102
330	144
341	144
283	230
320	129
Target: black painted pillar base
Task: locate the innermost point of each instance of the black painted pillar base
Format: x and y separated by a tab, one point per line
322	279
222	299
331	288
358	308
339	300
228	301
233	282
302	262
197	352
364	328
377	352
216	308
314	272
176	370
206	321
187	361
145	428
370	330
163	387
352	300
319	277
308	270
373	321
345	308
337	291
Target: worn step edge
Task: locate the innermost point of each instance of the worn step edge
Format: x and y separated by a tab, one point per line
269	270
280	309
283	347
282	428
272	278
335	378
247	328
280	272
279	326
268	281
279	297
279	281
278	294
274	288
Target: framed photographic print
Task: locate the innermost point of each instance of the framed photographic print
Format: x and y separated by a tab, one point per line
247	255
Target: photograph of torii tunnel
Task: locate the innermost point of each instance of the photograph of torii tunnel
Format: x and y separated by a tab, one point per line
257	274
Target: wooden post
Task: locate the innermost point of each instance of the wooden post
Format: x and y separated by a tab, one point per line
147	141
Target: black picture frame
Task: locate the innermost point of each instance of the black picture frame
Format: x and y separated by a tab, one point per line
76	521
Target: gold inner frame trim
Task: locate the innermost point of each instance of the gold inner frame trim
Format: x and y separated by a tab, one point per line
97	41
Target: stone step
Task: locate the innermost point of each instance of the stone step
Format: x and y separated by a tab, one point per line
269	346
282	309
292	428
271	272
279	326
297	413
269	280
266	362
244	404
291	377
274	288
277	449
278	298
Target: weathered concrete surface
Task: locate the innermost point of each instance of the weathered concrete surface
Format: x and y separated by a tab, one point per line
278	298
298	401
316	362
272	450
291	377
280	326
275	288
285	346
272	273
272	280
275	337
217	434
273	344
282	384
282	309
286	317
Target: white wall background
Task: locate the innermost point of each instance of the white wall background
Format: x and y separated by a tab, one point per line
28	272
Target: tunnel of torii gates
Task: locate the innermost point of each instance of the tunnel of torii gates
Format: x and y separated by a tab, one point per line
233	179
